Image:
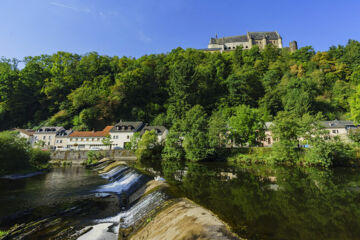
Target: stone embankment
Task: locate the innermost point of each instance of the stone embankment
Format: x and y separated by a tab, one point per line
78	157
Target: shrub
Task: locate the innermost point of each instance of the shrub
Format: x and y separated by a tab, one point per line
39	158
94	156
14	153
333	152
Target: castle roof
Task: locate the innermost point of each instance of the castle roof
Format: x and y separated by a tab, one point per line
223	40
245	38
262	35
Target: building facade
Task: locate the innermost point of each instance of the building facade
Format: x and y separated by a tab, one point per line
335	128
62	139
45	136
88	140
122	132
247	41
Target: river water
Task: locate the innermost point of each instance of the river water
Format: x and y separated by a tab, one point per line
258	202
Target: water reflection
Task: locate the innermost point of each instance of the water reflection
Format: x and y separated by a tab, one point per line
58	185
262	202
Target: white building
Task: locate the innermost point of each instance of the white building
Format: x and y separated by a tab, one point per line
62	139
46	136
28	134
335	128
87	140
122	132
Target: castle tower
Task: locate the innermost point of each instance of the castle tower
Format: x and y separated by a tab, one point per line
293	46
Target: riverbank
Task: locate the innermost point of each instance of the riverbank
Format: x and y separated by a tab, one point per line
269	156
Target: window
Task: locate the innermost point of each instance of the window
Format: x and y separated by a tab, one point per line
60	141
127	136
335	131
44	137
269	140
93	139
71	139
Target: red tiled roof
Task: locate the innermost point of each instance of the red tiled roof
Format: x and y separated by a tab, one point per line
102	133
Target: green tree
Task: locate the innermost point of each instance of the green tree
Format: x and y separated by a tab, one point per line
107	141
173	149
196	140
147	146
247	126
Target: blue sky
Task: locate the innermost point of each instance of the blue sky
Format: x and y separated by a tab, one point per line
138	27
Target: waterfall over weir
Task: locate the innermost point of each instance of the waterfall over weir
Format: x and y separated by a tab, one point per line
123	181
126	183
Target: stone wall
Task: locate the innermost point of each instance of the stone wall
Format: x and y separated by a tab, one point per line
81	155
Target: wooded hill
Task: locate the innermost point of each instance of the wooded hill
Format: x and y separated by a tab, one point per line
90	91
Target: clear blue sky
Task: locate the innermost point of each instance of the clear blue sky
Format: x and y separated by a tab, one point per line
138	27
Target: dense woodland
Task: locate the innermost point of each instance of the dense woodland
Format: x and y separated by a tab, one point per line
91	91
199	96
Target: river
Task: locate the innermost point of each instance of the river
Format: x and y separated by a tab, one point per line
258	202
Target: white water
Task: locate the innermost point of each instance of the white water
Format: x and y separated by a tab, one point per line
113	172
138	211
121	185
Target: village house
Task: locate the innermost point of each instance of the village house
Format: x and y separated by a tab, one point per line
339	128
335	128
122	132
62	139
160	131
45	136
88	140
28	134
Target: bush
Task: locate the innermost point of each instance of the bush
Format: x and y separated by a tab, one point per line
39	158
14	153
94	156
330	153
17	155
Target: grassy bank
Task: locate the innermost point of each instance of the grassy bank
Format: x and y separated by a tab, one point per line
343	157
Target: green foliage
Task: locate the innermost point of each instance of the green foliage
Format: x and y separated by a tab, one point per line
354	134
91	91
173	150
246	126
39	158
133	142
196	139
107	141
147	147
328	153
355	105
94	156
17	155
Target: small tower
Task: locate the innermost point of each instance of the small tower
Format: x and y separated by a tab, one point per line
293	46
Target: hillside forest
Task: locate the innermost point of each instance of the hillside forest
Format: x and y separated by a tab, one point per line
189	91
